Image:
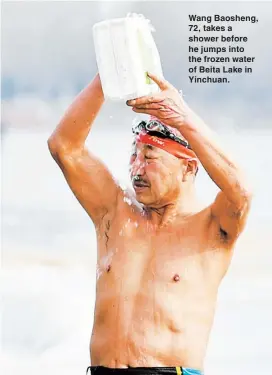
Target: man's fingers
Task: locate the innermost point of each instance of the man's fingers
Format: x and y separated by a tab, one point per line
150	106
144	100
152	112
163	85
161	82
159	114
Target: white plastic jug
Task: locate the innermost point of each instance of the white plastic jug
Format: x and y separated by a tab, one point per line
125	52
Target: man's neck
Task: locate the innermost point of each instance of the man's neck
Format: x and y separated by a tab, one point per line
184	205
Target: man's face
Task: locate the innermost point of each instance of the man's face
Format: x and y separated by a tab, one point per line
156	175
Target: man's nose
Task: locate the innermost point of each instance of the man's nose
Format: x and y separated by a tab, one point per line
138	167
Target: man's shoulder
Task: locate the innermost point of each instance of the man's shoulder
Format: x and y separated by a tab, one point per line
201	213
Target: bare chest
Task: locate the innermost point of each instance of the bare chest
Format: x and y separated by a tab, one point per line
136	254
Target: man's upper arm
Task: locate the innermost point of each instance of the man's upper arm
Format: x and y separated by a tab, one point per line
230	219
91	182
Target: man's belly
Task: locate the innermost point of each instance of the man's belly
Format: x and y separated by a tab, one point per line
161	328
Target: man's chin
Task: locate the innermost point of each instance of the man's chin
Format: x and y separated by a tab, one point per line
143	195
141	189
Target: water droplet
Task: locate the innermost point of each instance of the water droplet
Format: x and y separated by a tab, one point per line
128	201
128	221
98	272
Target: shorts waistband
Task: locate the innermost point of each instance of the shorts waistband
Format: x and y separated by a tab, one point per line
101	370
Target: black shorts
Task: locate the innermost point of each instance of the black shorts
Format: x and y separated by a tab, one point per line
101	370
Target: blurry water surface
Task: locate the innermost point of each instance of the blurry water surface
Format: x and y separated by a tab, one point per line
49	261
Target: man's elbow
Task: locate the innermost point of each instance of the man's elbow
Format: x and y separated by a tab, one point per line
246	196
57	147
243	190
61	150
53	145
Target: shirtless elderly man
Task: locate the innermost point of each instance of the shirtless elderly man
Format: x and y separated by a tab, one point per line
161	258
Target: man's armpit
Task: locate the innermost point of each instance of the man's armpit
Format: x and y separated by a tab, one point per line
230	220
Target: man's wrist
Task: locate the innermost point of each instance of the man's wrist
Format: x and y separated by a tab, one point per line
187	122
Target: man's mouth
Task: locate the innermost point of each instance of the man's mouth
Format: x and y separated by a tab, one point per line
139	184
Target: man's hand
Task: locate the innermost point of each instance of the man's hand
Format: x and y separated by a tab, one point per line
168	105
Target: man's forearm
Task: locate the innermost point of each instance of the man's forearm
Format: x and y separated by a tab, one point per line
223	171
76	123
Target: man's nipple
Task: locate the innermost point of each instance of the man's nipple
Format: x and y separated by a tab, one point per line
108	268
176	278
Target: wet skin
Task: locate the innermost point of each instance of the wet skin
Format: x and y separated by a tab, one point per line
156	281
161	256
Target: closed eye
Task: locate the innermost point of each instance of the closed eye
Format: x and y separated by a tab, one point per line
151	156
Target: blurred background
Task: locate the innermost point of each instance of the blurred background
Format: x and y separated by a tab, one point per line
48	242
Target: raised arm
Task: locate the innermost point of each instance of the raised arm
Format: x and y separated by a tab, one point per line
231	206
88	178
230	209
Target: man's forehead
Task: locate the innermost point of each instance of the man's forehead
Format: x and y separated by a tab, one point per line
143	146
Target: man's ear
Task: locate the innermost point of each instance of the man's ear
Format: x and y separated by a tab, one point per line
192	167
